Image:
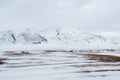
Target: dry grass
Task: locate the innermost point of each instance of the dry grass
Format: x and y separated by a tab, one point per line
96	76
94	65
58	50
2	60
103	58
23	53
107	70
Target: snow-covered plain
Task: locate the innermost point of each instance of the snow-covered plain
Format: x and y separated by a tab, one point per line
56	65
58	54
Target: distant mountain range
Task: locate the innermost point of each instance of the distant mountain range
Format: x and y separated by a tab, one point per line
54	35
24	37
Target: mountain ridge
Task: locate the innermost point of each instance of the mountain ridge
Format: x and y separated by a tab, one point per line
54	35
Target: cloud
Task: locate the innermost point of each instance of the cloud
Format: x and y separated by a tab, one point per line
88	15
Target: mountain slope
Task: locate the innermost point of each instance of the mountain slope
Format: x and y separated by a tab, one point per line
72	36
25	36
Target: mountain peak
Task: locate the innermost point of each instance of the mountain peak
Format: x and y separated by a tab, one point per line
55	35
24	36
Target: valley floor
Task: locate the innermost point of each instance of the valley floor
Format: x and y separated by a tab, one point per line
60	65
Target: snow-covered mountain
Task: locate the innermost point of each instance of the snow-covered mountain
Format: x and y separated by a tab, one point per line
60	35
73	36
24	36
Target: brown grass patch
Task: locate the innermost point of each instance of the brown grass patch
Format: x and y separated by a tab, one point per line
2	60
23	53
94	65
107	70
103	58
96	76
58	50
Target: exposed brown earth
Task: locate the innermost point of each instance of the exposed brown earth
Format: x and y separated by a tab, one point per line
58	50
103	58
96	76
107	70
23	53
94	65
2	60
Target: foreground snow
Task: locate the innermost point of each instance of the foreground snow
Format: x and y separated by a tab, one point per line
56	46
56	65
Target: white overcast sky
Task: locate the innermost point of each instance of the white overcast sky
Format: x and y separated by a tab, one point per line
88	15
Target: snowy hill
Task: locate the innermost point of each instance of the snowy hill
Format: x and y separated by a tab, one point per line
72	36
25	36
75	36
